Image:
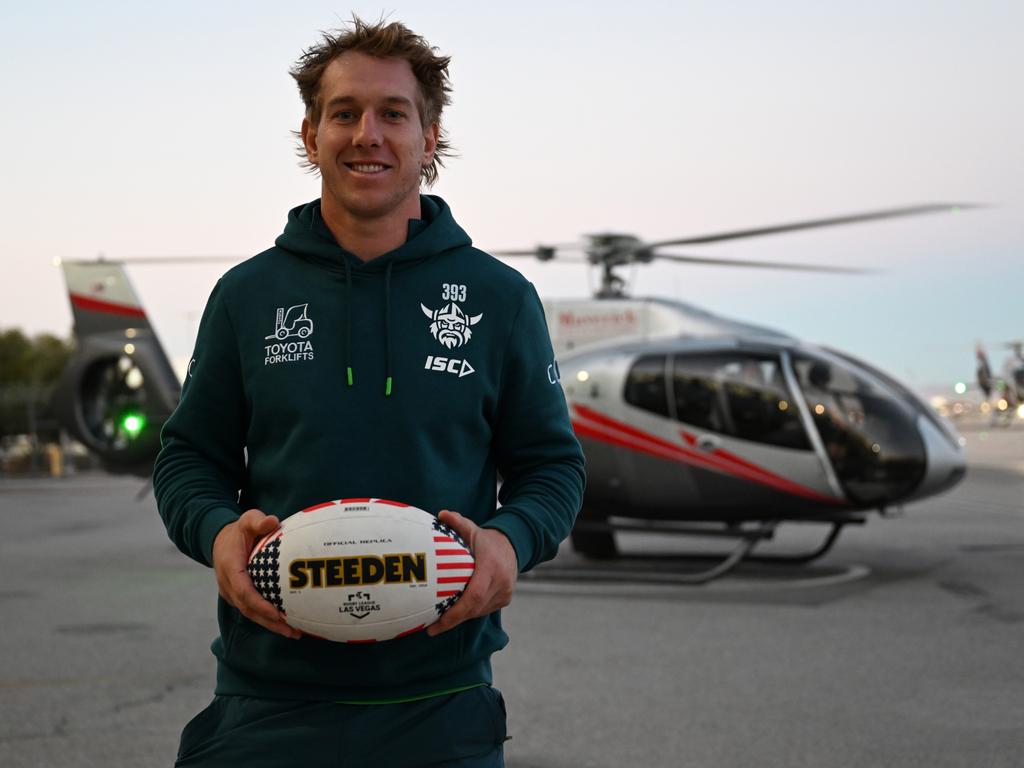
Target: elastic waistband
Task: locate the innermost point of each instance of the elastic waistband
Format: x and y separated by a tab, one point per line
230	682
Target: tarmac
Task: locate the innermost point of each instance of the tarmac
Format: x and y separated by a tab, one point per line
904	646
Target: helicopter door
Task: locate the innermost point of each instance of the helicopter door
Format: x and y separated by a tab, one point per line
735	410
717	433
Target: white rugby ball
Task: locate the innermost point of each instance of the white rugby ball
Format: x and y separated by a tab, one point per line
361	570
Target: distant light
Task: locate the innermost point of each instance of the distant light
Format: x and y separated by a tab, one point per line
1020	411
1002	405
962	441
819	409
986	407
960	388
129	349
130	332
582	376
57	261
958	408
133	424
134	379
876	448
783	405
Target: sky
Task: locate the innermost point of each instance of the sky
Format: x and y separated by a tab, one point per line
133	129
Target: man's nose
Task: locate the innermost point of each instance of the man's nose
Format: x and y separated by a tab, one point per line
368	132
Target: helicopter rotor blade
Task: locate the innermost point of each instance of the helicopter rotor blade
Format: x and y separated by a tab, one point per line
856	218
541	252
176	259
760	264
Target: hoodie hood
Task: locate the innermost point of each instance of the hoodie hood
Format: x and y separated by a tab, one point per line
308	237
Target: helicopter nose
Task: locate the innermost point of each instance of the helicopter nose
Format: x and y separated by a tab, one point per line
945	462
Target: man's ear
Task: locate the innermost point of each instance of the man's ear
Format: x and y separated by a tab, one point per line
309	140
431	133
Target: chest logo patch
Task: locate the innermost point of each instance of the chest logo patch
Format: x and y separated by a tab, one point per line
450	325
289	341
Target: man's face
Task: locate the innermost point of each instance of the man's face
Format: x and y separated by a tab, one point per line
370	143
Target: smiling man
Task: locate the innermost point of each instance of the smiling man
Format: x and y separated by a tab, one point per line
373	284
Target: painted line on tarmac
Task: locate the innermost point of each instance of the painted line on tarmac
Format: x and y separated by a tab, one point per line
570	580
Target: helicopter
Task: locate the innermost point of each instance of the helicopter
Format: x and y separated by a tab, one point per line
691	423
1002	394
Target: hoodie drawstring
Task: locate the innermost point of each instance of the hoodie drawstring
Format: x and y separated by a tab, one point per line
387	327
348	321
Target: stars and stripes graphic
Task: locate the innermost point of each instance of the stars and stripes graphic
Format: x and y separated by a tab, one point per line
454	565
263	570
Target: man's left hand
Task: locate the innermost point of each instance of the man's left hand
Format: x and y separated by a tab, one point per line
494	577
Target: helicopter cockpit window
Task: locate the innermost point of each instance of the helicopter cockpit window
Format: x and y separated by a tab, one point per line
870	435
645	385
737	394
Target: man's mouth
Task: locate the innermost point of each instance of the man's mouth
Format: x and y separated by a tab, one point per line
367	167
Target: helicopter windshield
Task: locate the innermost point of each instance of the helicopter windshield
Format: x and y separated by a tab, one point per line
870	435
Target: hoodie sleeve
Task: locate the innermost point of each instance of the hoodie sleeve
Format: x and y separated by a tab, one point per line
538	456
201	465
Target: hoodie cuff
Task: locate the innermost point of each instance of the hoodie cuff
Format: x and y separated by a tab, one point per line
518	532
211	524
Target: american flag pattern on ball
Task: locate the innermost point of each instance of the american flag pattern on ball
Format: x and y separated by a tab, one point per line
263	568
361	570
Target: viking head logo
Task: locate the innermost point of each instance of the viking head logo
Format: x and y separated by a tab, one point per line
450	325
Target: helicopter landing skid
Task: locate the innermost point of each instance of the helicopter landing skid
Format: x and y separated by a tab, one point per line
807	557
746	539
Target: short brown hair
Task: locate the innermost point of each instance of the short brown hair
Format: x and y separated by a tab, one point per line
394	40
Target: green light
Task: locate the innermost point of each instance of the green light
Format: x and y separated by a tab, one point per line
133	424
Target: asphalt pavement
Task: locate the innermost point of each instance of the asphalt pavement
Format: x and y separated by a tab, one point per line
902	647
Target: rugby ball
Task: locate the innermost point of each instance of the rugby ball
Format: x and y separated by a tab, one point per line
361	570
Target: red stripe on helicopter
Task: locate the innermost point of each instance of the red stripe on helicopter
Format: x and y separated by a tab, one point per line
608	430
78	301
717	459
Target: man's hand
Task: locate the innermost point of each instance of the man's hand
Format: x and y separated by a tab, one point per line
494	577
231	551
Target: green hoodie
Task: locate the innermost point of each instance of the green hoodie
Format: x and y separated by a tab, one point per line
418	376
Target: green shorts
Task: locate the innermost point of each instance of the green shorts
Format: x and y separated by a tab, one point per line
458	730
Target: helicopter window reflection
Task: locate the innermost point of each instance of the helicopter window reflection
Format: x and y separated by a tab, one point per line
737	394
870	436
645	385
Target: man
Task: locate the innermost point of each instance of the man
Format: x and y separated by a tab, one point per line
314	379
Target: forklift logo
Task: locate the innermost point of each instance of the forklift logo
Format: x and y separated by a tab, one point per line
291	324
450	325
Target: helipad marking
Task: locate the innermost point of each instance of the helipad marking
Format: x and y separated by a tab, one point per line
638	584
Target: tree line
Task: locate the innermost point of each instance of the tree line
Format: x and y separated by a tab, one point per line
29	369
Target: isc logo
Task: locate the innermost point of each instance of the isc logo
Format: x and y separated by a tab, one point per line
449	365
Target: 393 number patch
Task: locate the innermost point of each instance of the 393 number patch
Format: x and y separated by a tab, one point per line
453	292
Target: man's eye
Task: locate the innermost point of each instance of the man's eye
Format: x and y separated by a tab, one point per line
344	114
394	114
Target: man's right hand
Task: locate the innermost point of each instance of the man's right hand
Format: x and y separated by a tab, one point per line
231	551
